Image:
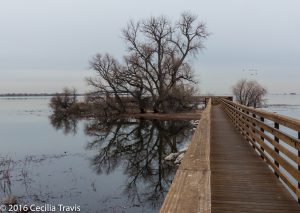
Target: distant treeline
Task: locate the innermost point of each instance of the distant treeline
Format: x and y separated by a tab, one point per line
33	94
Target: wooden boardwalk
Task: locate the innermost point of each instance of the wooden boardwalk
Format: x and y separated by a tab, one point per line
240	180
221	172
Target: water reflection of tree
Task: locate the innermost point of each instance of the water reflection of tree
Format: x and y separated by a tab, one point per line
6	166
66	122
140	147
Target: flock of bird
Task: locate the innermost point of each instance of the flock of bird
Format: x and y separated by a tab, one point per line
252	71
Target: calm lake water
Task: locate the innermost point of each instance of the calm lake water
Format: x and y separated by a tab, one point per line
284	104
100	165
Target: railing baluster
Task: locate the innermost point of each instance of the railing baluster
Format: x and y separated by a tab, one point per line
235	115
262	119
253	129
247	112
276	126
298	169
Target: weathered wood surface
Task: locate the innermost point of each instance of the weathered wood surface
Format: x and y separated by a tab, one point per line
240	180
190	191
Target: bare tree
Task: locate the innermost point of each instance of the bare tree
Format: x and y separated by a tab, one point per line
64	101
249	93
155	65
108	81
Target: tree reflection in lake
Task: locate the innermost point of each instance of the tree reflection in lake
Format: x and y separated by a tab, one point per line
139	146
68	123
134	149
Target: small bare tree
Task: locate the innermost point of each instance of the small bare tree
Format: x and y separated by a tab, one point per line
65	101
155	65
249	93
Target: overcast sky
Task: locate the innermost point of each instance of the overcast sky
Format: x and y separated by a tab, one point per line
46	44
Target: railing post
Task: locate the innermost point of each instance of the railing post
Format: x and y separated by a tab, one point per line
236	117
247	112
276	126
253	130
242	118
262	119
298	169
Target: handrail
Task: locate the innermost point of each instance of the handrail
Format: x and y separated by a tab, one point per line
277	147
287	121
190	190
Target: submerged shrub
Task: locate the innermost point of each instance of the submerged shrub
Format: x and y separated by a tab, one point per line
65	102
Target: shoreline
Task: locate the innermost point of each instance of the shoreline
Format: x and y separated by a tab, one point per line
195	115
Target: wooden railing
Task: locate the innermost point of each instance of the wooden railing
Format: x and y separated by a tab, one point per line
275	137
